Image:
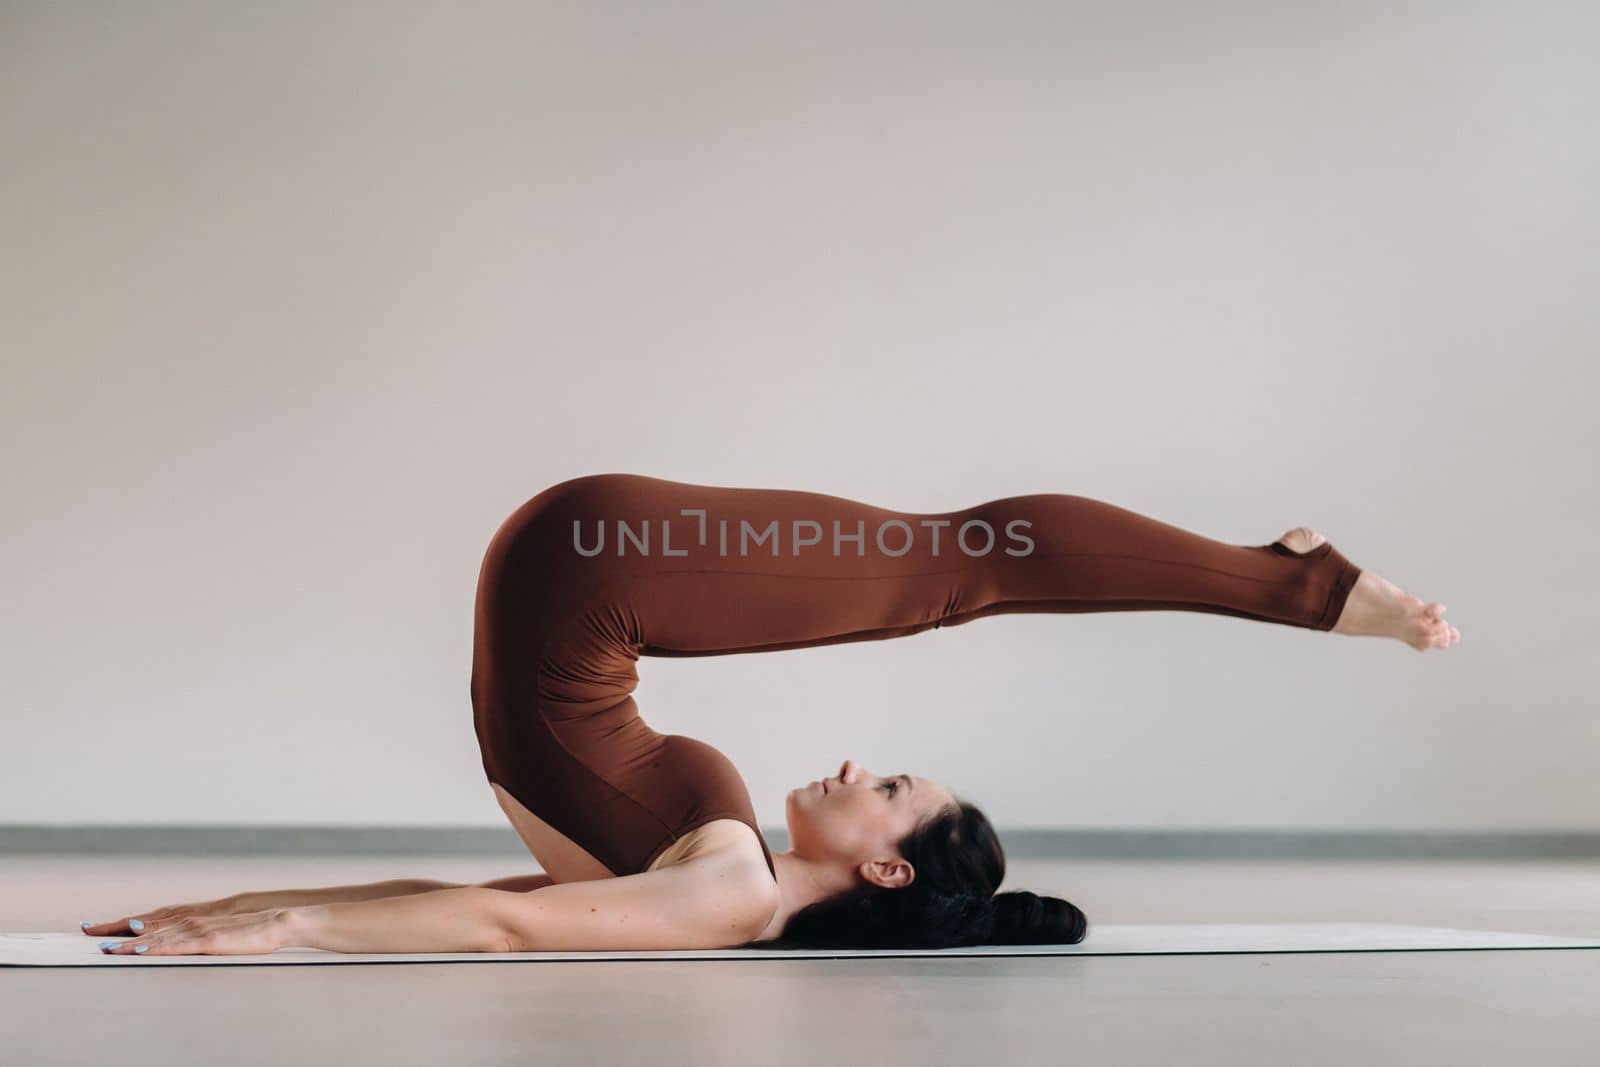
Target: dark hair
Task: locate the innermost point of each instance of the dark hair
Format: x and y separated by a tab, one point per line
951	900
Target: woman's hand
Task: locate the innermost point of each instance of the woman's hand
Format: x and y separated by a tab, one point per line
156	919
250	933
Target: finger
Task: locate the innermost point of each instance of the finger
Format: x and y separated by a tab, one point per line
143	923
172	944
180	936
131	947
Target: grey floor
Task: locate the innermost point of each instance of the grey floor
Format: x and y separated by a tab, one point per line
1495	1007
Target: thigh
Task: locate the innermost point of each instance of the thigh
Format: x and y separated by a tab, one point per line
562	858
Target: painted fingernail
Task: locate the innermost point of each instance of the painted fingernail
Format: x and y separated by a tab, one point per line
85	924
142	948
136	925
107	944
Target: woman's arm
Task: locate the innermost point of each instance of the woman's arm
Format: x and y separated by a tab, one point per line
249	903
519	883
710	902
462	919
339	894
399	887
282	903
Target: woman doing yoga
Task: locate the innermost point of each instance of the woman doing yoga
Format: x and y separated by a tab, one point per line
649	840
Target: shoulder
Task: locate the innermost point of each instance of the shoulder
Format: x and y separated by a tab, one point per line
726	853
724	841
727	847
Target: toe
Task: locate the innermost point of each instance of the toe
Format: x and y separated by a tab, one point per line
1433	632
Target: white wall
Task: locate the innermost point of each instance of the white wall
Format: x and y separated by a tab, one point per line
297	302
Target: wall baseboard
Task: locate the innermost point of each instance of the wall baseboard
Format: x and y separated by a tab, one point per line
1019	844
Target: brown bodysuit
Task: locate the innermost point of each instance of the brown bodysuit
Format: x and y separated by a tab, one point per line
594	572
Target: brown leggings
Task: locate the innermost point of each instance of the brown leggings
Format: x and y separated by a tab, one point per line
594	572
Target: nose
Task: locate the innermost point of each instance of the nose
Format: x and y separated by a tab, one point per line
847	772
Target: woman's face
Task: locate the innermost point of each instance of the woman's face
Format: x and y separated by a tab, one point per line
858	816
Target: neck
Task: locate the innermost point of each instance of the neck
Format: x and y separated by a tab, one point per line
801	883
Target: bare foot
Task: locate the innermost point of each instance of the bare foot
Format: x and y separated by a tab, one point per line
1377	607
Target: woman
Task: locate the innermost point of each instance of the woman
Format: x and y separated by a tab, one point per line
649	841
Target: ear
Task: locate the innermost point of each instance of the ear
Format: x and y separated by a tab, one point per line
890	874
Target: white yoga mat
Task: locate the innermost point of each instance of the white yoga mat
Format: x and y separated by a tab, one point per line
58	949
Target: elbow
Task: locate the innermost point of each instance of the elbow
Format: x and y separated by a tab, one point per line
503	938
509	936
501	925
